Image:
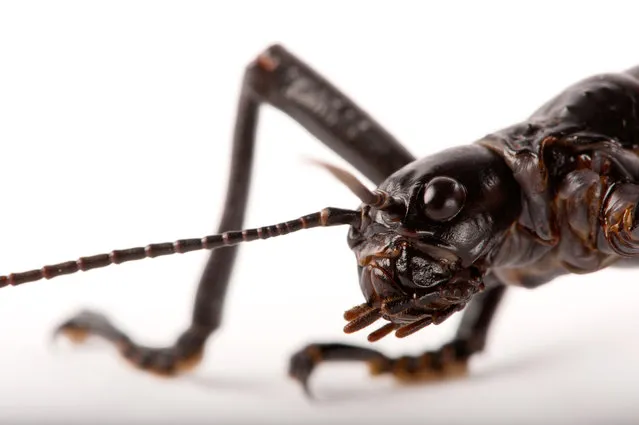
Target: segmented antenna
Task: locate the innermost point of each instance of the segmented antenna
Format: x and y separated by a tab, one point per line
324	218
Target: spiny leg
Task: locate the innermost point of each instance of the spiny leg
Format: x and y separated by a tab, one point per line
449	361
279	79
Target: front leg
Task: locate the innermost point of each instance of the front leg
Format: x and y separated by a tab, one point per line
279	79
449	361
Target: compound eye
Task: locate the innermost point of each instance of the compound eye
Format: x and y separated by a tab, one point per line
444	198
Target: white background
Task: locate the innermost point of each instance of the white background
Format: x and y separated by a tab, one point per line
115	121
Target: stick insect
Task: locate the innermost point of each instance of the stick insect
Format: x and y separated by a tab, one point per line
552	195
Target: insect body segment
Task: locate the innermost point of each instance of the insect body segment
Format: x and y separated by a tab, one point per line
554	194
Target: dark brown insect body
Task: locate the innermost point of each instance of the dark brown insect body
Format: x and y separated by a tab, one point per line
552	195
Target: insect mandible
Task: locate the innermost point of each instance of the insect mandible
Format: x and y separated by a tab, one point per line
552	195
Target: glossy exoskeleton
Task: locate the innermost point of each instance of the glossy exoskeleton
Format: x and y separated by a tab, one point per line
552	195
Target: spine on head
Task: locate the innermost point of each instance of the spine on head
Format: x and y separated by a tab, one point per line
326	217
